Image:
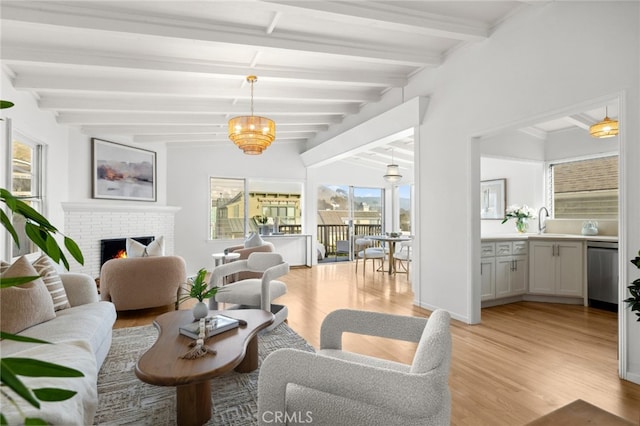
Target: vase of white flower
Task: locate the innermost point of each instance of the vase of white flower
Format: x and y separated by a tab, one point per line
521	214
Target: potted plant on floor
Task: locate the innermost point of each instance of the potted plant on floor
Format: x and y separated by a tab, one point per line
634	289
197	289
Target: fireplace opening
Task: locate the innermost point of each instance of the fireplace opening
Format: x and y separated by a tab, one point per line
116	247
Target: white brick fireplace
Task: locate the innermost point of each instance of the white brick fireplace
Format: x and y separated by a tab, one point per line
88	223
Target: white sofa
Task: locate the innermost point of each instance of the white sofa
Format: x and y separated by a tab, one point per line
82	337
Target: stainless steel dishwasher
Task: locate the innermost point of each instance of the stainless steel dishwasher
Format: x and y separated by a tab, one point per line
602	274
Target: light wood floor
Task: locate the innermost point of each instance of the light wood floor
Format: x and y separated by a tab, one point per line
525	359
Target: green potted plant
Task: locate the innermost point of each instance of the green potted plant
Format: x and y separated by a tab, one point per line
39	230
634	289
196	288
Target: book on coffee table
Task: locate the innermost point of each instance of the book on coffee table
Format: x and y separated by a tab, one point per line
214	325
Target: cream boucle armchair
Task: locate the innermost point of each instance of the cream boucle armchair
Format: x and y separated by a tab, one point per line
142	282
335	387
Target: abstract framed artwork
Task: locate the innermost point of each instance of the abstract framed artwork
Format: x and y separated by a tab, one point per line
122	172
493	198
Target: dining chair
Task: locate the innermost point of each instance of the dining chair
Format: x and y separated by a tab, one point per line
365	251
402	257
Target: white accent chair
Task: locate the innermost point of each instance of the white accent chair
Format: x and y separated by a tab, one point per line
365	251
254	293
402	257
335	387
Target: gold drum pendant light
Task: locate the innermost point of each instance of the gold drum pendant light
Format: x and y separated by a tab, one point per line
252	133
606	128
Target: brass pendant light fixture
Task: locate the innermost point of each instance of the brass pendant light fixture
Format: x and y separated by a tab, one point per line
252	133
606	128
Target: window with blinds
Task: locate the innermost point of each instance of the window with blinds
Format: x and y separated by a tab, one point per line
586	189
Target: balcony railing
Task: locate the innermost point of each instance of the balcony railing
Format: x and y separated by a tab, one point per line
329	234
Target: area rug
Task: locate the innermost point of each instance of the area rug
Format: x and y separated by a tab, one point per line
125	400
580	413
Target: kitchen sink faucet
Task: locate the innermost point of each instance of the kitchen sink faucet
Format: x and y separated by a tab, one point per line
542	226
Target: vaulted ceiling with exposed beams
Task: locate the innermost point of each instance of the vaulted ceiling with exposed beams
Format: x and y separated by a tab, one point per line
174	71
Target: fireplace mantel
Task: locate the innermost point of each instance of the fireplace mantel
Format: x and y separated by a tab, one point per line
108	207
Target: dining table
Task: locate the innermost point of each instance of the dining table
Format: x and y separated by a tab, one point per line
392	247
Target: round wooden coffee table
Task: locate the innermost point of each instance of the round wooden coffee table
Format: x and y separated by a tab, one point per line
162	364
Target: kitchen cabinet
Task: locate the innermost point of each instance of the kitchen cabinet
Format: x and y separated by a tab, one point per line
556	268
488	271
504	271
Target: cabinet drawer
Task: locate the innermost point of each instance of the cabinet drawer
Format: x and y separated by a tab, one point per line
488	249
503	248
520	247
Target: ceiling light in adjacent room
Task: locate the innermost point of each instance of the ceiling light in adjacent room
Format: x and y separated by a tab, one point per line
606	128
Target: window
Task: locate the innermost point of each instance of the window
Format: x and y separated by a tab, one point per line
586	189
240	206
27	159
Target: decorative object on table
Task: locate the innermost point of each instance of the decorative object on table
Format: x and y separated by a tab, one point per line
634	289
394	234
493	199
521	214
590	227
123	172
262	220
197	289
214	325
198	349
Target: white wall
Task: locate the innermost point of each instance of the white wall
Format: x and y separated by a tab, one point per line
525	185
574	143
39	126
540	62
189	170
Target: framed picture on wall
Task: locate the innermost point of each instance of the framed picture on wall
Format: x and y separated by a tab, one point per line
493	198
122	172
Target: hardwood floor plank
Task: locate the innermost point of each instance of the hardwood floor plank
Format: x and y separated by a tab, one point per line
523	361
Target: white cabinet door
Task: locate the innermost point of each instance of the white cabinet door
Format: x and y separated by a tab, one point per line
504	265
488	273
556	268
542	275
519	275
569	272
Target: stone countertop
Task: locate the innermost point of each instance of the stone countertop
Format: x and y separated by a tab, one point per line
535	236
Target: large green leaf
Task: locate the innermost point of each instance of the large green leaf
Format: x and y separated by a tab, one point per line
10	379
53	394
33	232
34	421
6	222
74	250
6	104
14	281
36	368
9	336
53	250
3	420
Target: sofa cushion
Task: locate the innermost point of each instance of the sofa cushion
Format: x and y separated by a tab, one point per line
25	305
78	410
137	249
254	240
90	322
49	274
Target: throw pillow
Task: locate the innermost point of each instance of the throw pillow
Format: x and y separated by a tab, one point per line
254	240
136	249
47	271
25	305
